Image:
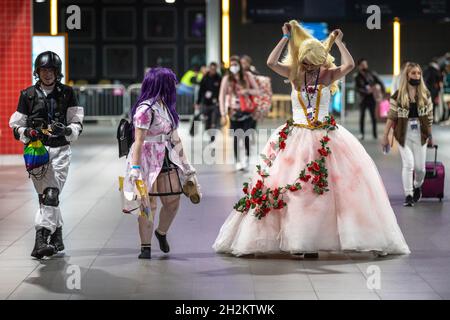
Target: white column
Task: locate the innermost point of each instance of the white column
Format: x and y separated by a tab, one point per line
213	21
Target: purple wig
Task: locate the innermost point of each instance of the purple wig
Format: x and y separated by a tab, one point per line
158	84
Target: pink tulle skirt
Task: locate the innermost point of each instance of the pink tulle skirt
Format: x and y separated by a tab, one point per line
355	214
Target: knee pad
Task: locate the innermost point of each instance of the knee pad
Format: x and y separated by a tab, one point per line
50	197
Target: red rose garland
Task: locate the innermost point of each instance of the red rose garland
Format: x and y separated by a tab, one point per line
263	199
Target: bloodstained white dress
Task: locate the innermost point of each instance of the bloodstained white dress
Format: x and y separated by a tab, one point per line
355	214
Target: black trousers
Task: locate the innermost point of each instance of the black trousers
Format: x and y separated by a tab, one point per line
368	103
212	118
245	124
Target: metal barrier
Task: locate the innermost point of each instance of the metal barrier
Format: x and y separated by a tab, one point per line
101	101
184	106
133	92
113	101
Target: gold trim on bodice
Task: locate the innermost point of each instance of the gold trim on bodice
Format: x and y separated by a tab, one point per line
310	125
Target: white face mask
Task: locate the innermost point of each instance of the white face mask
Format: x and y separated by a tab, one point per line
235	69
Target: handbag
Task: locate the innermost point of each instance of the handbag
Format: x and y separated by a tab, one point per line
135	199
35	155
247	103
125	136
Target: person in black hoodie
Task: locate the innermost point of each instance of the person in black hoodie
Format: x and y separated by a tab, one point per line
365	83
208	98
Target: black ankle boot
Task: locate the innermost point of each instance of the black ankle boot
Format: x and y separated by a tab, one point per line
163	244
41	246
56	240
417	194
409	202
146	252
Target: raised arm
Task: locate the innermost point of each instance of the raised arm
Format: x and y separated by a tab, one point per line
274	57
347	62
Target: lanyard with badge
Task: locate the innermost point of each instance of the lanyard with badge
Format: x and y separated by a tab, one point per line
414	124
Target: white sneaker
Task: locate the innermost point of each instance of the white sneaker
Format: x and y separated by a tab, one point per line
246	164
238	166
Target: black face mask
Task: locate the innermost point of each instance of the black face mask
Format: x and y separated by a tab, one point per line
414	82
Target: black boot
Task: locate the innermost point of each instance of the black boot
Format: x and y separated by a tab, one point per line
409	202
417	194
56	240
41	246
163	244
146	252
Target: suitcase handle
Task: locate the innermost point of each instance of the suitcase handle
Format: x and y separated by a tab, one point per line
435	147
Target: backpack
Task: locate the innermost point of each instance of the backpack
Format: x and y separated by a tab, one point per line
125	136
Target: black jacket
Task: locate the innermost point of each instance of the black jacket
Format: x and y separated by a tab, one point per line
42	110
209	90
433	78
369	78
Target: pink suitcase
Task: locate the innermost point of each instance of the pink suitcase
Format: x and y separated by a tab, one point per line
433	185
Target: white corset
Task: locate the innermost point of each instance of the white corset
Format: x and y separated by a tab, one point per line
298	113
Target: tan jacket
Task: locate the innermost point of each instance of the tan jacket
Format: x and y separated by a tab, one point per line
399	114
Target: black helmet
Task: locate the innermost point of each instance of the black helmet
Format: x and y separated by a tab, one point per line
48	59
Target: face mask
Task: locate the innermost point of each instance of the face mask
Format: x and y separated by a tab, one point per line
235	69
414	82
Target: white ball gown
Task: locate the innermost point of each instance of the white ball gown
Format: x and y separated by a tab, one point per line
338	204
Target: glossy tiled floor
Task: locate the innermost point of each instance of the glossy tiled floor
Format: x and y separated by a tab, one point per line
102	244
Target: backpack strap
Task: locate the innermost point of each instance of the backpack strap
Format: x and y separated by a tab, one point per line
63	101
151	110
30	94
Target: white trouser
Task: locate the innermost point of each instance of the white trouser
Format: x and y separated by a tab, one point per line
413	159
49	217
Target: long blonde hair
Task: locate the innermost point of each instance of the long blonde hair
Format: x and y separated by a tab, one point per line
403	94
304	46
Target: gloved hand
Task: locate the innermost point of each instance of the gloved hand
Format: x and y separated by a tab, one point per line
134	175
32	134
58	129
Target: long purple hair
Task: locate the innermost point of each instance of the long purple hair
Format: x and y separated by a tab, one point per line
158	84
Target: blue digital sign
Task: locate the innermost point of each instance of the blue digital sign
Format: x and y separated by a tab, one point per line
318	30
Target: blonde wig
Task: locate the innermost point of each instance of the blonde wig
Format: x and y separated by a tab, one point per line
304	46
403	94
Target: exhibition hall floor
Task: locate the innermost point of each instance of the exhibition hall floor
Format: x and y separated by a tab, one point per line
103	244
